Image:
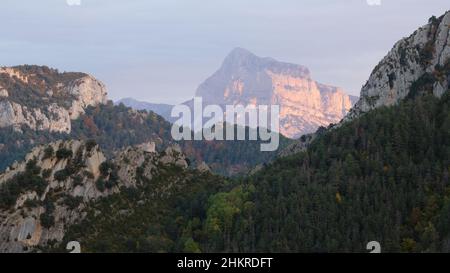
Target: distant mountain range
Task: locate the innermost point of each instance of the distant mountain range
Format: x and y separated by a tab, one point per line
159	108
247	79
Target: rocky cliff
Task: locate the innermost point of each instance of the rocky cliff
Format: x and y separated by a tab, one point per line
305	104
416	65
44	99
48	192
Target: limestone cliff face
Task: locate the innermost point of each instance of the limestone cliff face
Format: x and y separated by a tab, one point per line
68	184
49	191
44	99
416	65
88	91
53	118
304	103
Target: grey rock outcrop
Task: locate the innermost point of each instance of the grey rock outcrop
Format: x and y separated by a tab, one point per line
3	93
419	63
88	91
21	227
55	118
75	173
52	106
148	147
203	167
174	155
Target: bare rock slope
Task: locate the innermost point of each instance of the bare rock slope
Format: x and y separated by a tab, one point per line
44	99
416	65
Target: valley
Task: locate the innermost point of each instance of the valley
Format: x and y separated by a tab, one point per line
78	167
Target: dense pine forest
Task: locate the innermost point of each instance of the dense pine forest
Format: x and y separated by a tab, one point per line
383	177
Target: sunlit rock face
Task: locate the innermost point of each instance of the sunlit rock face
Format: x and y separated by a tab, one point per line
305	104
44	99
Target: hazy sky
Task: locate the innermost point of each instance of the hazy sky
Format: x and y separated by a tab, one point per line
160	51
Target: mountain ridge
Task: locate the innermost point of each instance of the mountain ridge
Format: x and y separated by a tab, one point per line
246	79
416	65
161	109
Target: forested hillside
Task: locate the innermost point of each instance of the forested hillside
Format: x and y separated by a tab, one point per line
157	216
383	177
115	126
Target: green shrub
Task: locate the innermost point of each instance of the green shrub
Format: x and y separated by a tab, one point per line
88	174
61	175
90	144
31	203
77	181
47	220
100	184
46	173
48	152
29	180
64	153
72	202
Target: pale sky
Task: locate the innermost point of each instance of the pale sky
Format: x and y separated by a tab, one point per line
160	51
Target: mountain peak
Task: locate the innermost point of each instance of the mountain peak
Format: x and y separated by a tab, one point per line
241	60
240	52
245	78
